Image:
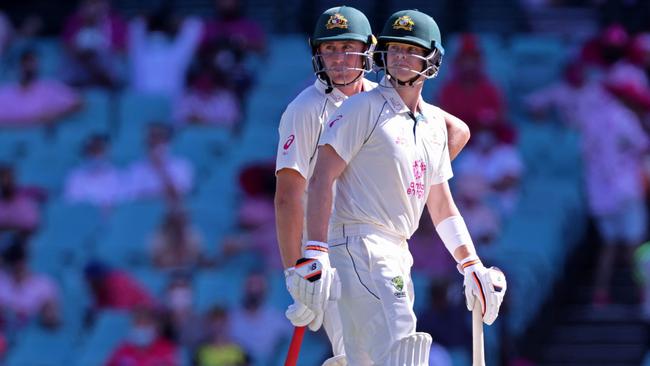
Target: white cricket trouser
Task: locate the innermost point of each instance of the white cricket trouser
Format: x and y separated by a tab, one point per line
376	304
333	328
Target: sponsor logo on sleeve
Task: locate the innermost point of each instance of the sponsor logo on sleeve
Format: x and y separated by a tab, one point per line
336	119
289	141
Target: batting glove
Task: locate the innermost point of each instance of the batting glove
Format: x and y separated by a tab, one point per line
300	316
487	285
314	282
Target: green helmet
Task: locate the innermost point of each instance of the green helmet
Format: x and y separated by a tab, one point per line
415	28
342	23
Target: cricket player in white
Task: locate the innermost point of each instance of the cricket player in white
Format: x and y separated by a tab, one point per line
387	151
341	54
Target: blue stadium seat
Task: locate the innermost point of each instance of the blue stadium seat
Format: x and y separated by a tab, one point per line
110	328
536	61
16	143
203	146
94	117
213	287
37	346
154	281
75	299
136	109
66	236
126	240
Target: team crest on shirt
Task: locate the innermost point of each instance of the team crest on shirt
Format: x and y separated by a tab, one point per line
337	21
404	22
398	285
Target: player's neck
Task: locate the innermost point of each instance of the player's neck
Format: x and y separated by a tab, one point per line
352	89
410	95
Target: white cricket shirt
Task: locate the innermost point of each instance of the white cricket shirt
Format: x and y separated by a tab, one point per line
302	123
393	158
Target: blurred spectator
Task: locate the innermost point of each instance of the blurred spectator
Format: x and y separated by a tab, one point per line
498	164
257	314
160	54
94	37
145	346
19	211
231	24
25	295
176	244
33	100
483	223
181	315
430	257
257	235
96	180
256	217
605	50
445	319
471	96
228	60
160	174
115	289
207	101
613	146
219	349
568	97
628	80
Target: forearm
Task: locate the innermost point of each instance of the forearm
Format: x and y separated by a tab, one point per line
449	223
289	215
319	207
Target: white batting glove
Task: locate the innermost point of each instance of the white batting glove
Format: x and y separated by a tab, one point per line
488	285
301	284
339	360
300	316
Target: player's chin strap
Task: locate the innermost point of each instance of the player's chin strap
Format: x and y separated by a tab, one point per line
409	82
322	75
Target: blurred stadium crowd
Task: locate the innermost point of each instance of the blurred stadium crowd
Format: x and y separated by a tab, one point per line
137	144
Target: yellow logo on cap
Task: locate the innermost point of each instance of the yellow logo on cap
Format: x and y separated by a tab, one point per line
337	21
404	22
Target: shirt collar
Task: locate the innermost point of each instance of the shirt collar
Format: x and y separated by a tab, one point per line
392	97
335	96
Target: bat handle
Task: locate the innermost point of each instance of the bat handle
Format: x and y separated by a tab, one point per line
294	346
478	355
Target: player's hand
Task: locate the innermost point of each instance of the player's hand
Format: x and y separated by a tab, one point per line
314	282
300	316
488	285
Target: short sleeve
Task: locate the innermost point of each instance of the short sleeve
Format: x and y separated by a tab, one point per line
443	172
349	127
298	138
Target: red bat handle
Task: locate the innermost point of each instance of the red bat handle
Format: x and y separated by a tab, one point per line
294	347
